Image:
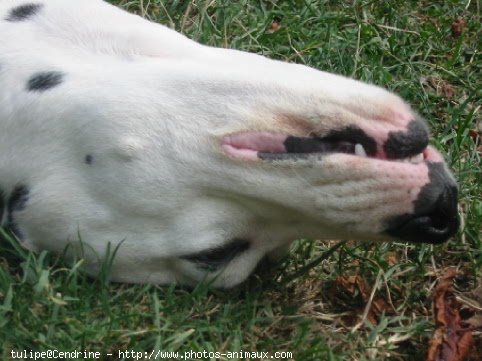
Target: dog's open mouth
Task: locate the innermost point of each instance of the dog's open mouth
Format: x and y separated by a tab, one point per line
281	147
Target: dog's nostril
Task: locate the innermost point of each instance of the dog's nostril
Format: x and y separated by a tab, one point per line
438	222
435	225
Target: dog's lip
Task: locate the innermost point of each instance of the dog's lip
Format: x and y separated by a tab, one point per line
267	146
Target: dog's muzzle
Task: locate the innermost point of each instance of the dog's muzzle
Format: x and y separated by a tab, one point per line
433	218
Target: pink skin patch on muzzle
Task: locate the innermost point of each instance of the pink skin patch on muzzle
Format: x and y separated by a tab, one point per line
432	155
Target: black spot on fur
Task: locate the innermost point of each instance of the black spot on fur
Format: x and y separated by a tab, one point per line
17	202
298	145
89	159
44	80
353	135
23	12
336	141
405	144
435	218
212	259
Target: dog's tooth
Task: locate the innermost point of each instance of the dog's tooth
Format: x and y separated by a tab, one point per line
416	158
359	150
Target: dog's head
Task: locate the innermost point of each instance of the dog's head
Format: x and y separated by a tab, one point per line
179	157
290	152
196	158
333	156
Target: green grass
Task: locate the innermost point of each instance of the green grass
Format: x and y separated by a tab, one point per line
406	46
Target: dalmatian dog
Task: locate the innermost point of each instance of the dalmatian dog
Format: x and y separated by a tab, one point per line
193	162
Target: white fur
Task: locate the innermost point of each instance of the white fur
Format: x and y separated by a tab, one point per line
151	107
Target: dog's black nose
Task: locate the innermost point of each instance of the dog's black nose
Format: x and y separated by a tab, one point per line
435	217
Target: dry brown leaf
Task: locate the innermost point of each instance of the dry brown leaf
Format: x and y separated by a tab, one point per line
351	285
458	27
347	283
451	341
440	86
473	134
447	90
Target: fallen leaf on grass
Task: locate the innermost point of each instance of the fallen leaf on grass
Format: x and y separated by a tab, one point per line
353	286
458	27
473	134
448	90
451	341
440	86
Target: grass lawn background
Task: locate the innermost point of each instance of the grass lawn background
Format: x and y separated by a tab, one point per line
426	51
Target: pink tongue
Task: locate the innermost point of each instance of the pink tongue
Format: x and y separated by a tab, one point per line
261	142
247	145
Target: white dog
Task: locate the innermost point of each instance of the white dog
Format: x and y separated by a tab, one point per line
196	162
